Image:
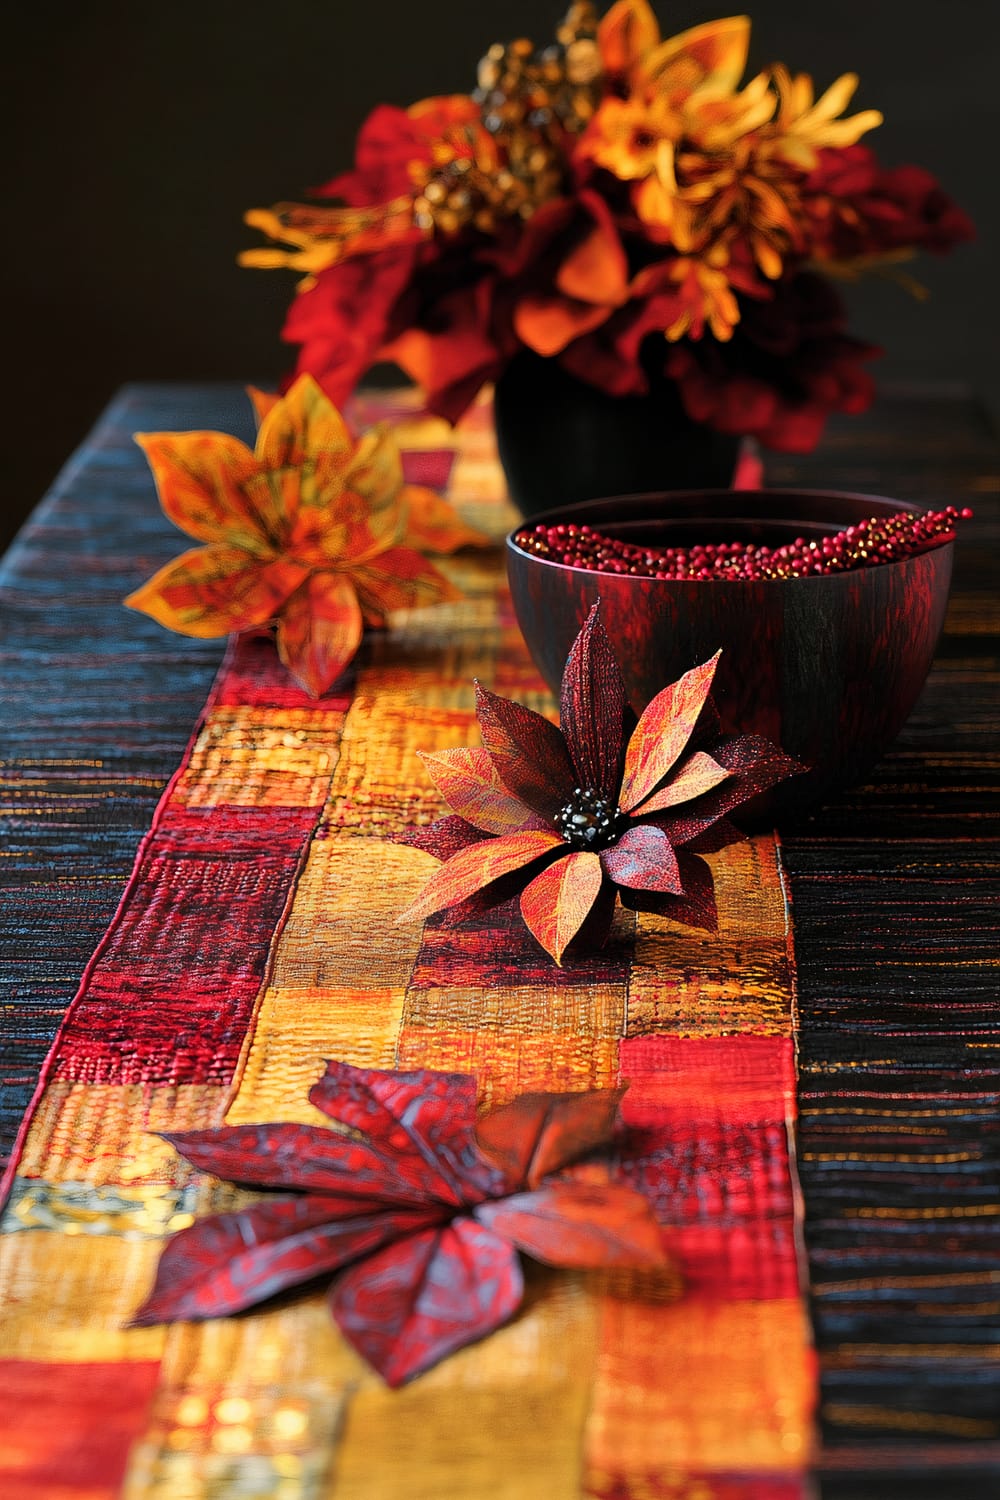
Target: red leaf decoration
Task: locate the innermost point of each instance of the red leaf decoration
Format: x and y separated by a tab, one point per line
227	1262
538	1134
416	1301
577	1224
424	1120
529	753
390	1199
309	1159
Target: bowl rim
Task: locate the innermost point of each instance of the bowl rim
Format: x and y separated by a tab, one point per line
573	512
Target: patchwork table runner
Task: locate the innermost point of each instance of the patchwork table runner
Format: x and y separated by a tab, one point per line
256	937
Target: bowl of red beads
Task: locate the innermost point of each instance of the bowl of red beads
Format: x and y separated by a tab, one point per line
827	608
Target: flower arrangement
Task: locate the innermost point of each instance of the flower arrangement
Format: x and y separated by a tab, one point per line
623	204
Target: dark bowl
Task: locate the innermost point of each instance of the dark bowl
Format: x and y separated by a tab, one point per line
827	667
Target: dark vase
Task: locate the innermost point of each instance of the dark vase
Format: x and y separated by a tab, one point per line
562	441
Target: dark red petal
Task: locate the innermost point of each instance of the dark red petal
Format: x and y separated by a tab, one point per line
227	1262
643	859
597	928
708	727
304	1158
594	713
719	836
529	753
694	908
754	763
443	838
424	1121
576	1224
538	1134
409	1305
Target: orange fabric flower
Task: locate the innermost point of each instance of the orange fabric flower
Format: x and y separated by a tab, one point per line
312	530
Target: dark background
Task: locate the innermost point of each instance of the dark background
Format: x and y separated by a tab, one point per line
142	132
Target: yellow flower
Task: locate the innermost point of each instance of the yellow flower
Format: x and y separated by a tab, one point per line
633	53
634	136
708	296
803	127
711	164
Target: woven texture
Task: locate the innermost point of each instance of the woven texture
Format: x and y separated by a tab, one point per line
230	992
255	938
895	893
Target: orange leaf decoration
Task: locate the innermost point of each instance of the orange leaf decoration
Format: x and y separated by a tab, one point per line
312	531
599	807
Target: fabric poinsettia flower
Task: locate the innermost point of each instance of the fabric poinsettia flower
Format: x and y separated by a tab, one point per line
312	531
422	1208
570	817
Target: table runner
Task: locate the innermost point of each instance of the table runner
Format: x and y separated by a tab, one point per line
256	938
884	836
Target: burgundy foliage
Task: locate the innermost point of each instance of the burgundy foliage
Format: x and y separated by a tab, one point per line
421	1210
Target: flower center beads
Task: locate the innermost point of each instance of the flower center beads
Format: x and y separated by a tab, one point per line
588	820
881	539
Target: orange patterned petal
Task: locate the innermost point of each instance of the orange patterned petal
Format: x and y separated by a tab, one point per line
468	782
433	525
596	271
626	34
714	54
662	732
211	591
200	478
400	579
699	773
362	515
304	432
262	401
375	474
558	901
548	324
478	866
320	630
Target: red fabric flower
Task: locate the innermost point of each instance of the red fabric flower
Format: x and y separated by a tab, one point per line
419	1206
788	366
598	807
857	208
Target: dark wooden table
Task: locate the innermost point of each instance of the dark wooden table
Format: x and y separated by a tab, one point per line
894	890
